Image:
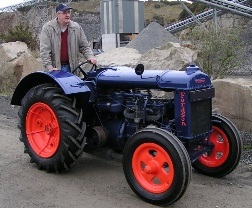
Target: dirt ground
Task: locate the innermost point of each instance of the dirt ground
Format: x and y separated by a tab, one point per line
96	182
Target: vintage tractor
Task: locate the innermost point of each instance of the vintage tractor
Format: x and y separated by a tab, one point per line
119	111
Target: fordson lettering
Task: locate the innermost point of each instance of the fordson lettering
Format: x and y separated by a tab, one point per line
200	81
183	110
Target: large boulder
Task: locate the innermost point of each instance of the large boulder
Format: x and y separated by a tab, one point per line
119	57
172	56
15	63
233	99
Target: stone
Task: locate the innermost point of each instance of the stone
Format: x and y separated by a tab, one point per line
119	57
233	98
170	56
15	63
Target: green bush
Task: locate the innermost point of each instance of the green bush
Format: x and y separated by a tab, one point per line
171	3
195	8
157	6
159	19
218	49
21	33
24	9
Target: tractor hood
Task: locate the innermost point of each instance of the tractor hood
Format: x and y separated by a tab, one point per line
125	77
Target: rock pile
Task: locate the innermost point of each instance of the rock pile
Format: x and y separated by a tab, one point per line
154	35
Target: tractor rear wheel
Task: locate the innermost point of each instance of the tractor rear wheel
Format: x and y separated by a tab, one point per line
156	166
226	152
51	127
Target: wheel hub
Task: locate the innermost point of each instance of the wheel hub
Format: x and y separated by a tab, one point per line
219	149
48	129
151	168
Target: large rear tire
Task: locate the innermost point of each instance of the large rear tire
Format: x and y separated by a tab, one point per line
156	166
226	152
51	127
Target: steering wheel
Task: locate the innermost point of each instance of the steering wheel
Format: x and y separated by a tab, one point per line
82	71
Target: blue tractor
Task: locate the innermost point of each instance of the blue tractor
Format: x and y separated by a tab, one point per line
118	111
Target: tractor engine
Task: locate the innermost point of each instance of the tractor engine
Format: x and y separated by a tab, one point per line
122	113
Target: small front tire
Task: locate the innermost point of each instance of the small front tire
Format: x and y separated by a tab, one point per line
156	166
226	152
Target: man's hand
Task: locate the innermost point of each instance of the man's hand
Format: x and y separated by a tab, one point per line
51	68
54	69
92	61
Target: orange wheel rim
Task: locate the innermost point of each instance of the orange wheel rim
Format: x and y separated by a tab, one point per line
42	130
153	168
220	152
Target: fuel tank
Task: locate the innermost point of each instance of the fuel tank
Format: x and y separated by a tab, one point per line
126	78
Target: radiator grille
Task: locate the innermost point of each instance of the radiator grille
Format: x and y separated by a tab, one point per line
201	115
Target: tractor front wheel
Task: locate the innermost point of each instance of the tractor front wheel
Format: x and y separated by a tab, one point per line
225	155
156	166
51	127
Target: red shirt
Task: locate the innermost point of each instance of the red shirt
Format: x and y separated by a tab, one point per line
64	48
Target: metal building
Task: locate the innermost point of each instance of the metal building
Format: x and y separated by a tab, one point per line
120	18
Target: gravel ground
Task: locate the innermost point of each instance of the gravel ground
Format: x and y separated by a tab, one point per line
6	108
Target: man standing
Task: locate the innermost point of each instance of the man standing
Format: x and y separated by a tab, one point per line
61	41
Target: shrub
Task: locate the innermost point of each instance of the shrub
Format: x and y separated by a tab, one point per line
21	33
195	8
159	19
171	3
157	6
218	49
24	9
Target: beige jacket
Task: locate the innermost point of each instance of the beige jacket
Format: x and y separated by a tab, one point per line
50	44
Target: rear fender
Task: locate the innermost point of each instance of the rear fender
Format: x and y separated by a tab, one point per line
69	83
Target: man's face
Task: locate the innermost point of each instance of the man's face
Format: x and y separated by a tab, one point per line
64	16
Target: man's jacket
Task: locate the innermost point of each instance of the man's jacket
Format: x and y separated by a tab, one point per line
50	44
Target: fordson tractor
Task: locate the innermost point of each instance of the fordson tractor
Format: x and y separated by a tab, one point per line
119	109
